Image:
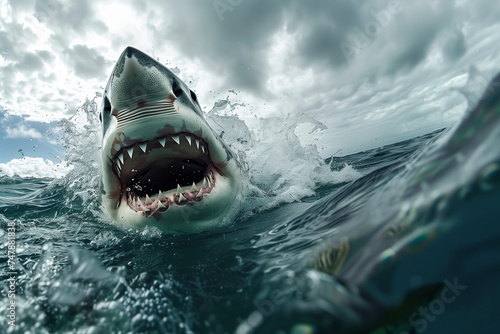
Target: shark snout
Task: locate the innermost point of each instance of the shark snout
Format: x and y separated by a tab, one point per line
138	81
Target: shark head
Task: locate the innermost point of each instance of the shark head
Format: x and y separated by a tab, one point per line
162	164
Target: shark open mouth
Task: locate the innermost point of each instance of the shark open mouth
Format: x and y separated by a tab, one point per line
162	164
171	170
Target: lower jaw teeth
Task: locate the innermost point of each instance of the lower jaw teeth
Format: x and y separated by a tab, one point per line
182	199
161	207
162	201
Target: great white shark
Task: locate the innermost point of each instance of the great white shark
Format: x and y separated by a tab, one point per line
162	164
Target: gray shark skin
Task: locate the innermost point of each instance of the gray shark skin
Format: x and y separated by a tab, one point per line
162	164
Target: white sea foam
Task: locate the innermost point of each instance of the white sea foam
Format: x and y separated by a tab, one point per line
281	168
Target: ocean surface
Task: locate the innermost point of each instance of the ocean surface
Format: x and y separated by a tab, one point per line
400	239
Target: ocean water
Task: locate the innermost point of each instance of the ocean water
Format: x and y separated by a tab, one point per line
400	239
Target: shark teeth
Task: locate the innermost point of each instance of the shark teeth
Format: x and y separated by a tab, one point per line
139	203
147	205
162	196
126	160
161	206
120	157
182	199
130	152
118	165
193	188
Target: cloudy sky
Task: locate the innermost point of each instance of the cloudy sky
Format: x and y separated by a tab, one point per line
374	72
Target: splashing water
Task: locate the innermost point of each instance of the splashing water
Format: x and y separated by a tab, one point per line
279	169
308	241
82	141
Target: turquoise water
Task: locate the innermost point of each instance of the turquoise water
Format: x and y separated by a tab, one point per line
400	239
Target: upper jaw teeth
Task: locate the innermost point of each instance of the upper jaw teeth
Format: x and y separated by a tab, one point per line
186	140
130	151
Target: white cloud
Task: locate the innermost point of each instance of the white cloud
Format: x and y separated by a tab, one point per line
33	167
22	131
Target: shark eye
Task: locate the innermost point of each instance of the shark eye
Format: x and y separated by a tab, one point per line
193	96
177	91
100	117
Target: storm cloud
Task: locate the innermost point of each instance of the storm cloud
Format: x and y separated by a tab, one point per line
364	68
236	38
87	62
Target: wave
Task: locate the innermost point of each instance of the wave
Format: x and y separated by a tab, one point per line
397	238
